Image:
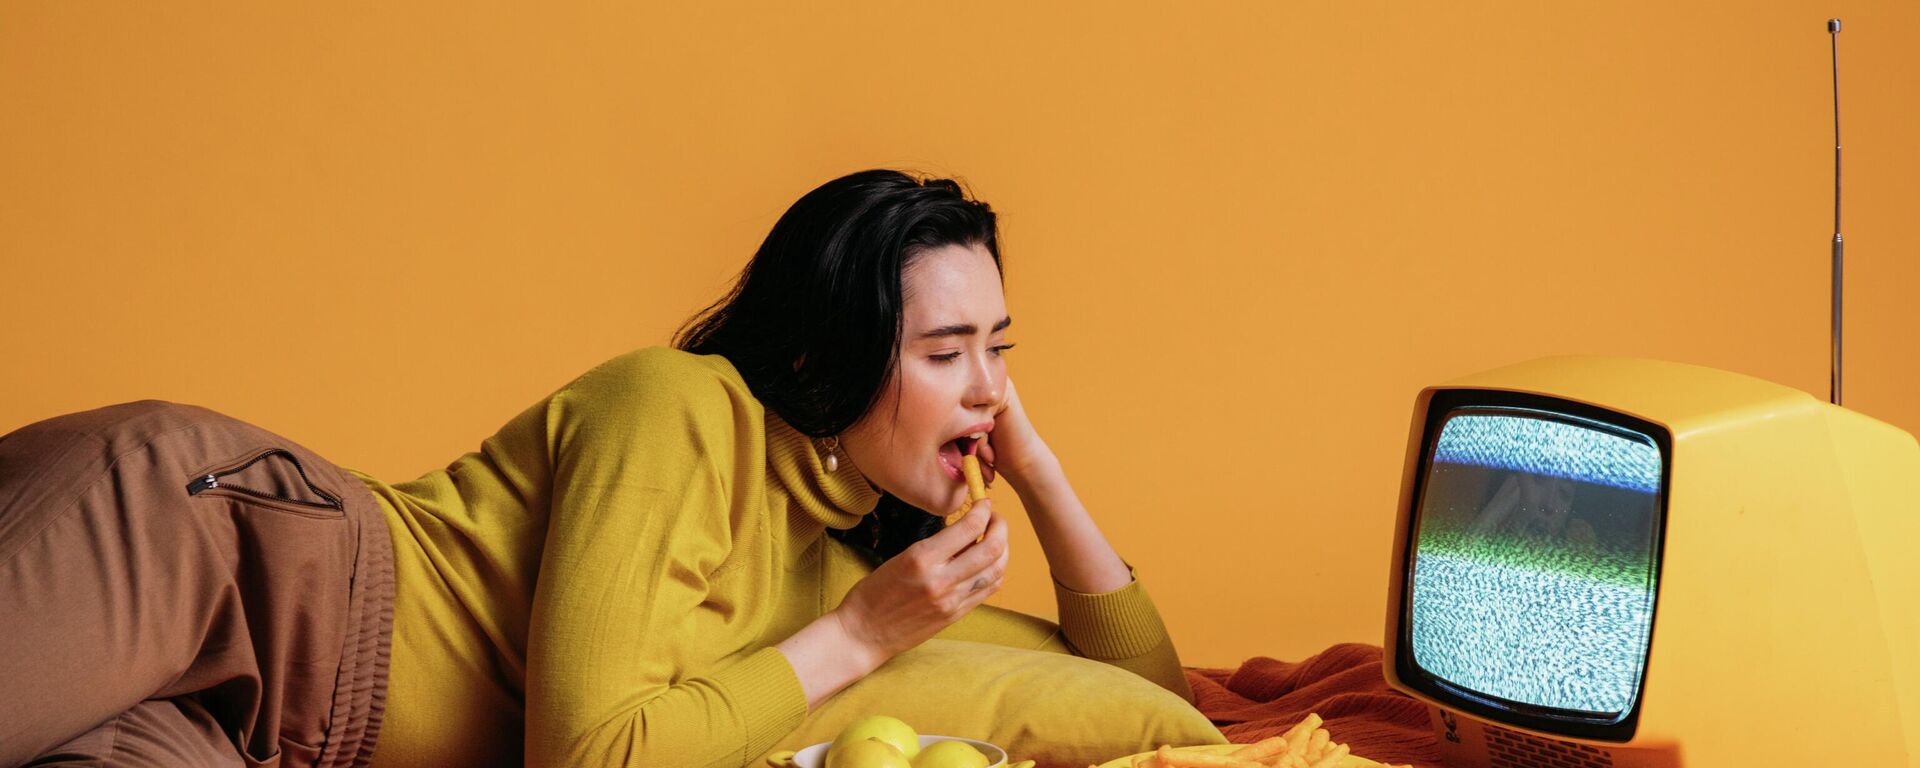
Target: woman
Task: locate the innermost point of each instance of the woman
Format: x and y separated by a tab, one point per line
636	570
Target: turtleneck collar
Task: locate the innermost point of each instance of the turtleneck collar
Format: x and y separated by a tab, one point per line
836	499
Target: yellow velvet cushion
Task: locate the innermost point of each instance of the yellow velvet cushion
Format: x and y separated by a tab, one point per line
1043	706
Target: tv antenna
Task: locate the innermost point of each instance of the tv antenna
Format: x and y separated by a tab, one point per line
1833	32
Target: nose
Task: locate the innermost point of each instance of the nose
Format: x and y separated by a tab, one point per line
985	384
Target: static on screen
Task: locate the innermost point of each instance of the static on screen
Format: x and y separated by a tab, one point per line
1533	576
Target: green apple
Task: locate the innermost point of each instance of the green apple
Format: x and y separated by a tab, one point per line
866	753
950	754
880	728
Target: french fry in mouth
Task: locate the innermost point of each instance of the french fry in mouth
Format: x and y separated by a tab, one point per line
976	488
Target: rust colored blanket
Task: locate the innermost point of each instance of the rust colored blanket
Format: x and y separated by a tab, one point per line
1265	697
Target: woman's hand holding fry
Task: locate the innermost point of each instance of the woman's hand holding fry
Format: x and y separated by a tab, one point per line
929	585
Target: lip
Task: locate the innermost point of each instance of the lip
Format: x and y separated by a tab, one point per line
952	470
985	426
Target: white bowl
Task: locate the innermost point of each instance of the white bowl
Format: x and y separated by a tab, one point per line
816	755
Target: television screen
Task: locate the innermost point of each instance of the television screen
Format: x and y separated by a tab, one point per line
1535	558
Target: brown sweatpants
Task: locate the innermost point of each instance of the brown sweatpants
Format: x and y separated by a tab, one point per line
181	588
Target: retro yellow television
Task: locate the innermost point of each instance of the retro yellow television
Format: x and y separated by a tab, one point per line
1611	563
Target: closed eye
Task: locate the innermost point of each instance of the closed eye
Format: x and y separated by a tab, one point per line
951	356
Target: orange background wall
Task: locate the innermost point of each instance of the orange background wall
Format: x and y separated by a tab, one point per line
1239	238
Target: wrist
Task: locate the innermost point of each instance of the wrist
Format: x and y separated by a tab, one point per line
826	657
1037	477
851	635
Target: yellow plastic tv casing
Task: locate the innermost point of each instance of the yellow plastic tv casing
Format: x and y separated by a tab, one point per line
1787	618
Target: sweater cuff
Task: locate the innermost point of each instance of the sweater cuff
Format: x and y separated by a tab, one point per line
1120	624
771	702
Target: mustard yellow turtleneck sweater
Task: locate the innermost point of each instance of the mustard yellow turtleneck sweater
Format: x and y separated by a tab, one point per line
603	582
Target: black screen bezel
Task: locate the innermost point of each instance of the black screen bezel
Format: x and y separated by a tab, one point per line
1533	717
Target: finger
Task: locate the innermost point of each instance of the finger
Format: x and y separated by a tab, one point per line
980	587
985	452
989	581
981	556
952	540
979	591
978	518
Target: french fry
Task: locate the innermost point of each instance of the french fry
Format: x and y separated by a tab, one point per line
1171	759
976	485
976	490
1296	745
1304	728
1305	745
1260	750
1333	757
1298	736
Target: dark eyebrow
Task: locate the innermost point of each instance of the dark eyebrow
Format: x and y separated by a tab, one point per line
964	329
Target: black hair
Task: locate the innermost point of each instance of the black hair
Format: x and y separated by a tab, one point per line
824	291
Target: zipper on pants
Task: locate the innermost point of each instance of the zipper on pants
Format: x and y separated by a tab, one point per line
212	480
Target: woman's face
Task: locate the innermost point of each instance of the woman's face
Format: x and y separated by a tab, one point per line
951	380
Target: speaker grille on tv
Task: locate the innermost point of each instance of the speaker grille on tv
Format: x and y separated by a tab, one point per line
1512	749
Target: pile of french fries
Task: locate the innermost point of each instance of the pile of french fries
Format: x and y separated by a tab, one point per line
1305	745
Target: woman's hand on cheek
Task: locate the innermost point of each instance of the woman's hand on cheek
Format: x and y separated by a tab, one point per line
1014	448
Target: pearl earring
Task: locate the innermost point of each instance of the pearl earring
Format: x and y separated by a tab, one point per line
832	445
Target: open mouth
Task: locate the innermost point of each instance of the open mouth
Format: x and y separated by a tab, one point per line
951	453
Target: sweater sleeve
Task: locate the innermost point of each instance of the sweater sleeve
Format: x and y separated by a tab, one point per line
1122	628
645	451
